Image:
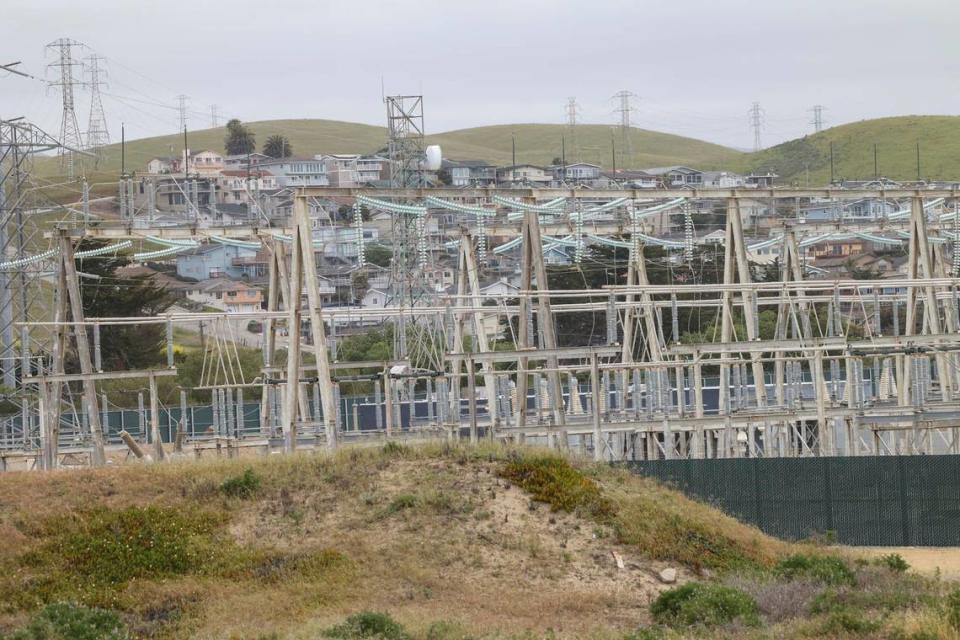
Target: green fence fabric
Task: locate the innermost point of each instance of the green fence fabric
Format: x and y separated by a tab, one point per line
870	500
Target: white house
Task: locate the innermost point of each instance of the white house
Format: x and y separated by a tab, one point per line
374	299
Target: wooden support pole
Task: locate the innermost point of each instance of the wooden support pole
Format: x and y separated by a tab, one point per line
595	391
321	354
155	421
291	398
90	401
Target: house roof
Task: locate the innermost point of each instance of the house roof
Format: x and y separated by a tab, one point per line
215	285
242	173
660	171
472	164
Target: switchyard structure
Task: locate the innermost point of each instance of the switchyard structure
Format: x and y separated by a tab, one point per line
854	367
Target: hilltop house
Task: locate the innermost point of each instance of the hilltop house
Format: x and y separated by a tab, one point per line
677	176
466	173
212	261
296	172
524	174
232	297
576	172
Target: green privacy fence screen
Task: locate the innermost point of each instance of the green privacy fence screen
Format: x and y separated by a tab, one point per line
875	500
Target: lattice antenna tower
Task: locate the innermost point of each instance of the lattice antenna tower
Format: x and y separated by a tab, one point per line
817	121
98	135
624	109
66	66
756	123
214	116
406	150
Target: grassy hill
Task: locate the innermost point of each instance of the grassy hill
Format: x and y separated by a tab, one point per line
896	140
536	143
438	543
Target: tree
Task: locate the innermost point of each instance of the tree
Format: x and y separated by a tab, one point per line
277	146
379	255
239	140
110	296
557	161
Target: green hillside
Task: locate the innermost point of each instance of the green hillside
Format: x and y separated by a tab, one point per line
536	143
808	158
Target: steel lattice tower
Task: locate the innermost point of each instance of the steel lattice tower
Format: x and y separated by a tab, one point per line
756	123
214	116
182	108
817	121
573	110
624	108
97	134
70	136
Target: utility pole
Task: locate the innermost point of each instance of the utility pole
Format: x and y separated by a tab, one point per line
817	121
624	108
214	116
831	162
97	134
182	108
918	161
876	165
69	128
756	122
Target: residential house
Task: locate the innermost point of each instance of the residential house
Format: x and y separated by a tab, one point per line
244	160
469	173
296	172
524	174
631	179
212	261
862	210
837	248
160	165
354	170
374	299
677	176
723	180
232	297
238	186
576	172
204	163
499	288
760	180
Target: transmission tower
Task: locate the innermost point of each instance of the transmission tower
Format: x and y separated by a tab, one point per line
97	134
573	110
214	116
817	121
756	122
69	128
182	108
624	108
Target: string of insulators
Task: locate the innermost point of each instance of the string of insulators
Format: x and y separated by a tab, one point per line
481	239
687	233
421	239
358	225
956	238
578	234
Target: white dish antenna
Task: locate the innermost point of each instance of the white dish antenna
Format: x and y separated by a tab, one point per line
434	158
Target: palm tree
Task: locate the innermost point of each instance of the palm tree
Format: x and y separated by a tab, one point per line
277	146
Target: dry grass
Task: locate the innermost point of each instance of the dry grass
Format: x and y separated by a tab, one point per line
445	540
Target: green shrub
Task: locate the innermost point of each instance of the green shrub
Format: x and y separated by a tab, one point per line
953	609
402	502
446	630
646	633
554	481
894	562
368	625
699	603
395	449
827	569
65	621
243	486
848	620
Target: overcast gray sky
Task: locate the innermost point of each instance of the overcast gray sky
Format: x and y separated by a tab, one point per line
696	66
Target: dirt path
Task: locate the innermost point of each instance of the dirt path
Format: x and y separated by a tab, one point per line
925	560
